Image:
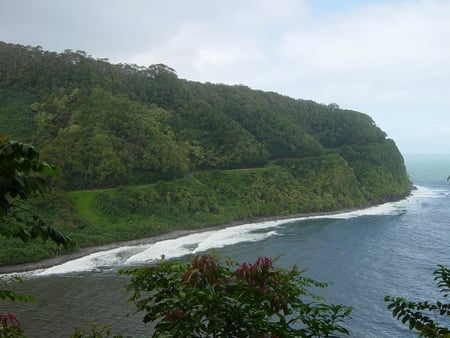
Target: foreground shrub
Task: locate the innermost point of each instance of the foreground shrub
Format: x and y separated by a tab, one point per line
210	298
425	317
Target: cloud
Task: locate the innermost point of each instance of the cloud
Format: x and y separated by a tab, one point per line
390	59
228	42
390	49
390	52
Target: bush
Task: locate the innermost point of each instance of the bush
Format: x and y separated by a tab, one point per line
424	316
210	298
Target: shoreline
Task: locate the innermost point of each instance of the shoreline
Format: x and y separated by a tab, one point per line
85	251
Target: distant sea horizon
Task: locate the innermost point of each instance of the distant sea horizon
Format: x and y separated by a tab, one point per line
427	167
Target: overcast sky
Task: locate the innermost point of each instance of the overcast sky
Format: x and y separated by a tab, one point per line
389	59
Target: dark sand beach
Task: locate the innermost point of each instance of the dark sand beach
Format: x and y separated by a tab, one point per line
81	252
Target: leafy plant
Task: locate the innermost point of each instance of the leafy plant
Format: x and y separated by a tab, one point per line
211	298
10	326
96	331
428	318
9	323
21	178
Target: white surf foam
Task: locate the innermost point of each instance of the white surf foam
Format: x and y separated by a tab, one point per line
90	262
204	241
171	248
237	234
426	192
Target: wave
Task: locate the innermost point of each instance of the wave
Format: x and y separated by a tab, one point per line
171	248
207	240
428	192
91	262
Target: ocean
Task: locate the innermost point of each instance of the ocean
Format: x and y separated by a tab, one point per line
390	249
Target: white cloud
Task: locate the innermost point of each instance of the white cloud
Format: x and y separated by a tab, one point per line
390	48
390	59
227	43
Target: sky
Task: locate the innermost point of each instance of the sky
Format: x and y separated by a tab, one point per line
388	59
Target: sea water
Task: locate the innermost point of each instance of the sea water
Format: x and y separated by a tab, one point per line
391	249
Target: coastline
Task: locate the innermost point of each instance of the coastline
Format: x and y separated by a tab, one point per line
85	251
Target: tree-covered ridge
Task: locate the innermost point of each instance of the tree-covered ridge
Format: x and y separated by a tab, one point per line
224	153
126	124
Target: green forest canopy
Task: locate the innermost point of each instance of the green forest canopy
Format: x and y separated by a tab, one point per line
232	151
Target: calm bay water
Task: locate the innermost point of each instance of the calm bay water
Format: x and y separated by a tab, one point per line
391	249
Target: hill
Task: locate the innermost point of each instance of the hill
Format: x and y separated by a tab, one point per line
157	152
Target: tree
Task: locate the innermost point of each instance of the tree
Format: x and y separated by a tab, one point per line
206	298
424	316
21	178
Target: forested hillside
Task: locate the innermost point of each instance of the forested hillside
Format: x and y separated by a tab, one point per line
177	153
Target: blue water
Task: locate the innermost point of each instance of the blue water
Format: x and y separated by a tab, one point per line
392	249
367	258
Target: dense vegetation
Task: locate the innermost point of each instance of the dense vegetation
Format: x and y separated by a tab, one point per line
210	298
256	299
201	298
21	179
142	151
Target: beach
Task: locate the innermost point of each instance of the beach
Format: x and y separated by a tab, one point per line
84	251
